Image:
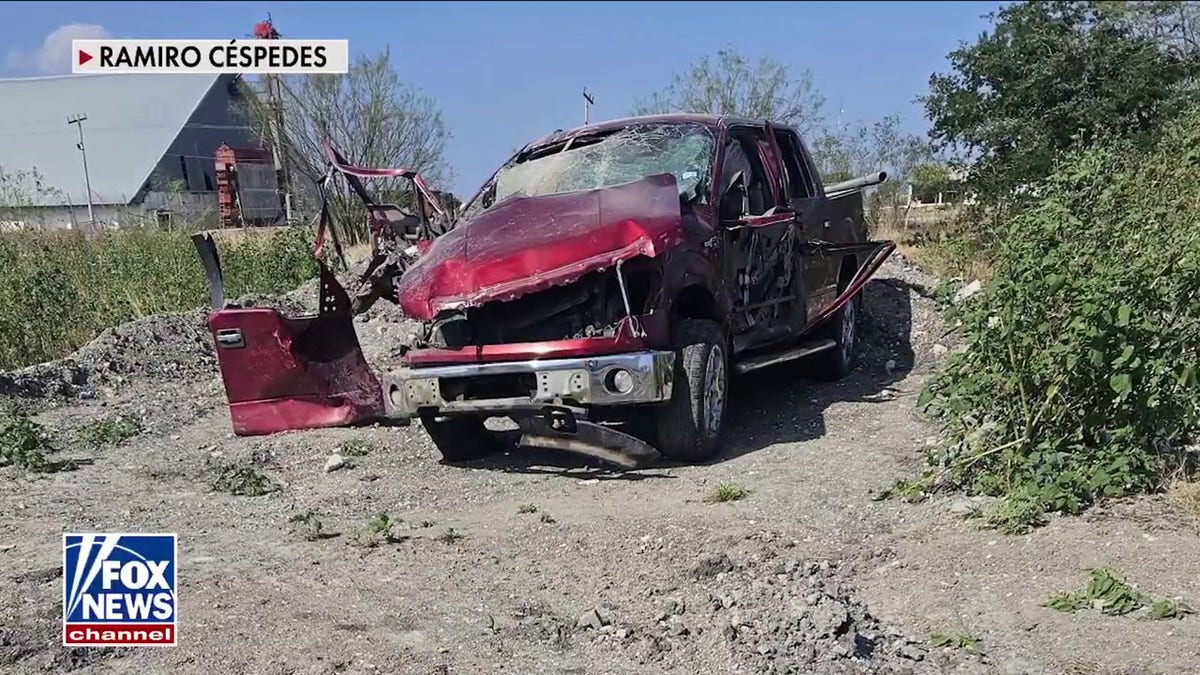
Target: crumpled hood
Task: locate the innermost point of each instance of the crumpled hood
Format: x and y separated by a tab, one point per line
526	244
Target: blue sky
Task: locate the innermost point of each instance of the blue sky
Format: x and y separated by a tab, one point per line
504	73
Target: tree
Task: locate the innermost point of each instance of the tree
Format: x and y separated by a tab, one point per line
731	84
369	114
1046	77
1173	25
930	179
859	148
21	191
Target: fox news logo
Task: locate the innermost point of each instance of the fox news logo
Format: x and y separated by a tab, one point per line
119	589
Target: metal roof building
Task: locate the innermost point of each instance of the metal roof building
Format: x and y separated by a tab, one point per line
146	136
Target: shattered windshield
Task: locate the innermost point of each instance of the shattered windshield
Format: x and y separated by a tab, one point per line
624	156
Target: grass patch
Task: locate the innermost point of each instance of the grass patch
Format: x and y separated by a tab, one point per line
1185	495
306	525
23	442
527	508
727	492
243	480
109	431
450	536
63	287
1112	595
380	529
355	447
963	641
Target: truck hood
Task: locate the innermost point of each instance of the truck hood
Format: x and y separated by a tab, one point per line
526	244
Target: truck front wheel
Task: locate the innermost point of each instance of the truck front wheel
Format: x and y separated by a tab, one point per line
690	425
460	438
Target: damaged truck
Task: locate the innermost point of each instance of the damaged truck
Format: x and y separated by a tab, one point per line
600	290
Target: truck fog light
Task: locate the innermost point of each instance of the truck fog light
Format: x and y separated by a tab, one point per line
619	381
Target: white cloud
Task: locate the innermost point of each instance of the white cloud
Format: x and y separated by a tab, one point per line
54	56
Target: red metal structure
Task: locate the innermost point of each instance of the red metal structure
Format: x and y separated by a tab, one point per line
235	209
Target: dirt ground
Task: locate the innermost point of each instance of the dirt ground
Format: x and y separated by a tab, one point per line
613	572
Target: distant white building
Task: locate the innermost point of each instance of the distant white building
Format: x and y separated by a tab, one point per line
150	142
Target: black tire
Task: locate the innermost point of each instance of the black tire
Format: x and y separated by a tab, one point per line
460	438
690	424
836	363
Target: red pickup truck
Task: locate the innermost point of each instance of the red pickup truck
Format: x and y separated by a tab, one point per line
599	291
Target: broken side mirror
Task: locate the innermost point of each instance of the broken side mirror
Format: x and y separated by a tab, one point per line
735	202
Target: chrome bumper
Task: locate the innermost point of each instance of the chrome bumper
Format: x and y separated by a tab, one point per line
580	381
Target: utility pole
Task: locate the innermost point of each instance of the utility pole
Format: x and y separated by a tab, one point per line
588	101
77	120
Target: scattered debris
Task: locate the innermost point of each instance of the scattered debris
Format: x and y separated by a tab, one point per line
334	463
594	618
967	291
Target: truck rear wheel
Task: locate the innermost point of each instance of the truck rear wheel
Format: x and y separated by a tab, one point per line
690	425
460	438
842	328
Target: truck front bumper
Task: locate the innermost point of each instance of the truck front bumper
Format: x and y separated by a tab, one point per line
528	386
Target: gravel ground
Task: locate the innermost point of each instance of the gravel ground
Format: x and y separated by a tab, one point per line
537	562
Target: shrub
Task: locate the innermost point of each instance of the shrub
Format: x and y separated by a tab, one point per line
23	442
109	431
1078	380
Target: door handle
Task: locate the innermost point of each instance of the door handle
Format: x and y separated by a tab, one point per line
231	338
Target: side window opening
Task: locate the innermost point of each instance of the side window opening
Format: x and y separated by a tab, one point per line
798	180
742	155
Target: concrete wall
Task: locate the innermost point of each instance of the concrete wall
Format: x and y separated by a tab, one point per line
188	207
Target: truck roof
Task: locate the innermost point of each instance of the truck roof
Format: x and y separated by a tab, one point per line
704	119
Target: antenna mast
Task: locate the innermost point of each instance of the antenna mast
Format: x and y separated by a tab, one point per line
588	101
265	30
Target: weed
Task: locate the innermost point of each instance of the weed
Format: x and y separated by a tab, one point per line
450	536
1186	497
1078	380
1112	595
109	431
727	492
527	508
547	518
355	447
964	641
427	523
243	480
379	530
23	442
306	525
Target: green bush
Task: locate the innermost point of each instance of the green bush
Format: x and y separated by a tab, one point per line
1078	380
62	288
